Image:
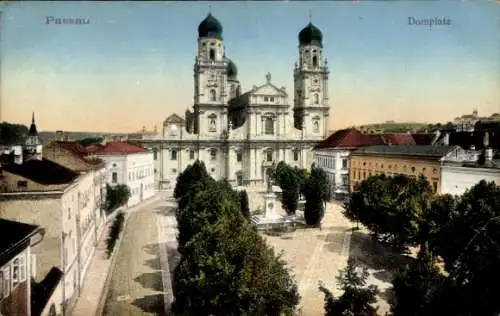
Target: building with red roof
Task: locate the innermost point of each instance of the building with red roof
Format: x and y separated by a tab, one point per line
333	153
127	164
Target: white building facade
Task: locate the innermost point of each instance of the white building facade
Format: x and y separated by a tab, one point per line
459	175
335	162
238	135
129	165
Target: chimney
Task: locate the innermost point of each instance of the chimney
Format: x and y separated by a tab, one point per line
488	154
446	139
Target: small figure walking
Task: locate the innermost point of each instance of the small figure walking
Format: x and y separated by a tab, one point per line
320	226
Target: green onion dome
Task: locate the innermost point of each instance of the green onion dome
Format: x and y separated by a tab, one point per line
310	35
210	27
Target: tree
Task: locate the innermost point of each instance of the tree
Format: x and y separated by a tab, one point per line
415	286
226	268
317	192
12	134
391	208
357	297
468	244
190	176
291	181
90	141
245	209
116	196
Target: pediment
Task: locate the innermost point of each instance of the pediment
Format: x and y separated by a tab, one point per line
269	89
174	119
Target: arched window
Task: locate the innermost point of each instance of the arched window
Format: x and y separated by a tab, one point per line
316	98
296	153
213	95
269	155
212	121
212	54
316	126
315	61
269	126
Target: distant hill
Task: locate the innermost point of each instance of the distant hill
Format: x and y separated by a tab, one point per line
46	136
395	127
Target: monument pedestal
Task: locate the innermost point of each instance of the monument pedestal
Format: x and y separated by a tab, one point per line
271	217
270	205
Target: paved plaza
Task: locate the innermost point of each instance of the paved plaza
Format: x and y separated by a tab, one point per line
316	255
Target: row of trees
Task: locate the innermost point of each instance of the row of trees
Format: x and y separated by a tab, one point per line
313	186
462	232
226	268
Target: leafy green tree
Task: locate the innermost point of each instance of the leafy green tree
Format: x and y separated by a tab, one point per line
116	196
391	208
317	192
291	181
226	267
190	176
468	244
357	297
87	141
12	134
415	286
114	233
245	208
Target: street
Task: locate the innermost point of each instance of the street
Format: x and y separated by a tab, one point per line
140	283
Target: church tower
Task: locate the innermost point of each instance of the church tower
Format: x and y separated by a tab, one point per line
210	80
311	85
33	147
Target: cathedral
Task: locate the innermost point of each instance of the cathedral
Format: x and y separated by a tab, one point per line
241	135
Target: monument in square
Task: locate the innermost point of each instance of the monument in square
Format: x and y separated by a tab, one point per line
271	217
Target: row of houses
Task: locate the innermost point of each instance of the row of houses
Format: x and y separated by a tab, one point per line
57	193
452	162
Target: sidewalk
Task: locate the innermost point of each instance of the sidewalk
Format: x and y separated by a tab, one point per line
93	287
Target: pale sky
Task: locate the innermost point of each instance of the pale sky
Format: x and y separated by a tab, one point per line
132	65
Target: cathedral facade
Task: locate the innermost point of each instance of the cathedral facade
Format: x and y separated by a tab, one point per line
239	136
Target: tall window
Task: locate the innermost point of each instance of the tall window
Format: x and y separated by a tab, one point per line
191	155
345	179
155	155
213	154
316	98
212	54
269	126
213	95
269	156
315	61
212	127
6	283
435	186
114	177
296	155
173	155
344	163
239	156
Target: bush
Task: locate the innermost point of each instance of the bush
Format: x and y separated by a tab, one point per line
114	232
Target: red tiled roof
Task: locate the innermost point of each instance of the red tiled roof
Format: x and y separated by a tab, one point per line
74	147
349	138
93	148
118	147
398	139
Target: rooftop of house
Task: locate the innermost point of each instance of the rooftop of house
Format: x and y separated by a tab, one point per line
352	138
119	148
405	150
13	234
79	151
42	171
468	139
